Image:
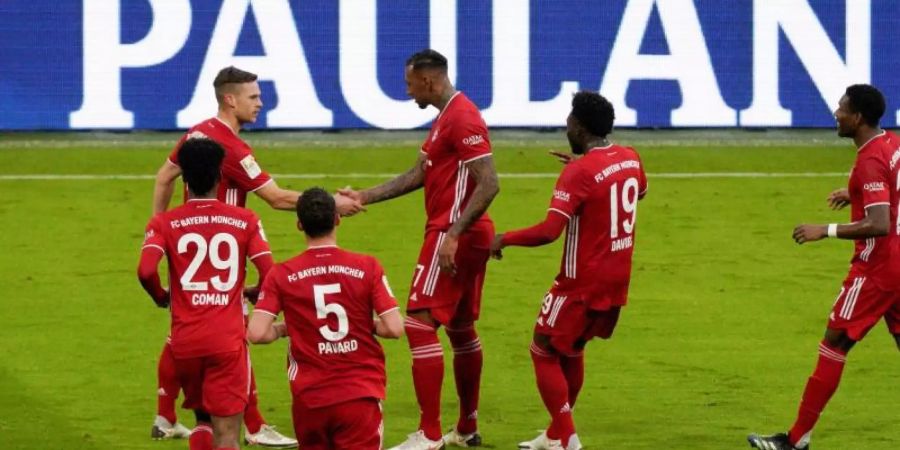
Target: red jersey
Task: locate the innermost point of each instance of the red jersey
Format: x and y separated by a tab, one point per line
240	172
873	181
207	244
598	193
458	136
328	296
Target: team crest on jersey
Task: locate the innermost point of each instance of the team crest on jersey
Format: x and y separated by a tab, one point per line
251	167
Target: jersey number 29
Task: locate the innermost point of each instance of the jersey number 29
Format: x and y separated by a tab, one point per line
212	250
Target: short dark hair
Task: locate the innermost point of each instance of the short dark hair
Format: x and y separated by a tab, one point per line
201	164
594	112
316	210
229	76
868	101
427	59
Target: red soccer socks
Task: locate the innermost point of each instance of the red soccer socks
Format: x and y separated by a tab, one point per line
428	374
819	389
201	437
467	362
573	369
167	381
253	419
554	391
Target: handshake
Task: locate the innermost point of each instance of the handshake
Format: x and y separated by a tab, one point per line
348	202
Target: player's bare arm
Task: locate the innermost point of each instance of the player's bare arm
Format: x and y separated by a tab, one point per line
389	325
277	197
875	224
839	198
486	189
165	186
263	329
563	157
412	179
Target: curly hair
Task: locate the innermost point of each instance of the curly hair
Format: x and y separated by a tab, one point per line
594	112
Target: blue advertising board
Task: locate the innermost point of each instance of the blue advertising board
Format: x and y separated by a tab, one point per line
331	64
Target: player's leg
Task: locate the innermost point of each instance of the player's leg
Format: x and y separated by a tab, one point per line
258	432
573	368
427	369
358	425
202	436
166	425
310	425
553	388
467	365
226	431
857	309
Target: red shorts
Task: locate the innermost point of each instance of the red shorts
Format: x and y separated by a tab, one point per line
860	305
218	384
451	298
354	424
570	322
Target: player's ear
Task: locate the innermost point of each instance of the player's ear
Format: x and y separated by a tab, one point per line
299	226
337	219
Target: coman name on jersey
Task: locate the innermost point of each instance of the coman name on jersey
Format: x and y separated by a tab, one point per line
209	299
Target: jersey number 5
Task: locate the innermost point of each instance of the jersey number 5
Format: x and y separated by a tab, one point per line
629	206
324	309
213	251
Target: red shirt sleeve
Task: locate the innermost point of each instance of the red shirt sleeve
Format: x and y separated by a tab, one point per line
242	169
258	245
874	176
383	299
152	252
570	191
173	157
153	236
269	300
642	181
470	137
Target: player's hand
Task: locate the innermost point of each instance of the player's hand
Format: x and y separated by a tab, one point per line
251	294
163	302
280	329
497	247
809	233
563	157
839	199
347	205
447	254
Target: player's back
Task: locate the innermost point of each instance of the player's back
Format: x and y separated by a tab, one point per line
328	296
600	235
240	172
207	244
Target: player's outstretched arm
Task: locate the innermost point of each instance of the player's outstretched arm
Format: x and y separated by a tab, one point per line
165	186
148	275
536	235
277	197
390	324
263	329
876	223
405	183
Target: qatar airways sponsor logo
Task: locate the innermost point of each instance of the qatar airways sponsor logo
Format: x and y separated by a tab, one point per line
561	195
473	140
338	348
207	299
874	186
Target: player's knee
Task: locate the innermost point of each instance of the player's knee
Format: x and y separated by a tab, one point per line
838	339
202	416
423	316
542	342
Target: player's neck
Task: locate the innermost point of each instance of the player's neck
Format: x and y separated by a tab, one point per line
866	135
230	120
448	93
597	143
321	241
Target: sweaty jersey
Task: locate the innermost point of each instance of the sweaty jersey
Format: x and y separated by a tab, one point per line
599	193
240	172
329	296
207	244
458	136
874	181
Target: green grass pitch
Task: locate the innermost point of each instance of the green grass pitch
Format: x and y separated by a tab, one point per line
719	336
